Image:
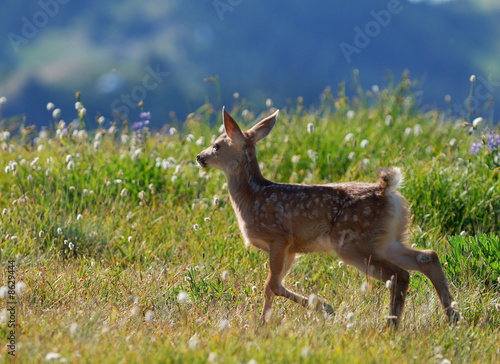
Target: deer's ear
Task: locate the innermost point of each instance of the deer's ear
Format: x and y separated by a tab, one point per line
233	131
260	130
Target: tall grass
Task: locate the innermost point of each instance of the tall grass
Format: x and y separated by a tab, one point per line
130	252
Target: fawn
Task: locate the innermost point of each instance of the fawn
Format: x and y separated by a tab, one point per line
365	224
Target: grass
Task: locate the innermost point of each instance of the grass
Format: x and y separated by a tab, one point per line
130	253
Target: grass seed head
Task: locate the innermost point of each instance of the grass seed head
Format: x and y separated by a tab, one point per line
183	297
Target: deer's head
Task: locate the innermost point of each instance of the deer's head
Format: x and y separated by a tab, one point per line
230	149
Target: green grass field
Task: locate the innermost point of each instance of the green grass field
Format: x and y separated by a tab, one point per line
126	252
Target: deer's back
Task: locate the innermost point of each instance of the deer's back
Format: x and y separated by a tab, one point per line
319	218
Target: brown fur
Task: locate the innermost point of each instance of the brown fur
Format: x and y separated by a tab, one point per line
365	224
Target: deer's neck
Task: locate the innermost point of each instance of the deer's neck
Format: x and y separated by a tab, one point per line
246	180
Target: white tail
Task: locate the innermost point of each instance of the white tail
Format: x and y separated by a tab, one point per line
366	224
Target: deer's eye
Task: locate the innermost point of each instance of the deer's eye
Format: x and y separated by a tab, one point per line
216	146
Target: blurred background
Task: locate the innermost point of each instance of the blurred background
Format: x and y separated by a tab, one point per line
119	52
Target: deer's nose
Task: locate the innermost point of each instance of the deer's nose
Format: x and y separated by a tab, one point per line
198	158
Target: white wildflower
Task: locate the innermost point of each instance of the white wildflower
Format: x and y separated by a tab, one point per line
193	342
78	105
59	231
349	137
50	106
196	227
350	114
224	275
118	181
350	316
7	169
305	352
388	284
200	141
364	287
79	217
4	316
224	324
135	310
53	356
407	131
476	122
375	89
56	114
34	162
366	162
295	159
142	195
364	143
310	128
71	165
183	297
101	120
312	301
149	316
269	102
73	328
215	200
3	100
172	131
190	138
454	305
124	138
129	239
212	357
388	120
82	134
20	288
417	129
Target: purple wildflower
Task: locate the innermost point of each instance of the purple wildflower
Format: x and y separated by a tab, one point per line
476	148
493	141
146	115
137	125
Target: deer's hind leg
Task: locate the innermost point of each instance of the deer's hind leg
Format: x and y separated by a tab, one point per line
427	262
400	278
384	270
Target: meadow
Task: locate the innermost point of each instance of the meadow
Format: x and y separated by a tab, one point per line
126	251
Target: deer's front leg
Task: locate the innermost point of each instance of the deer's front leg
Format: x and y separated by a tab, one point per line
280	261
